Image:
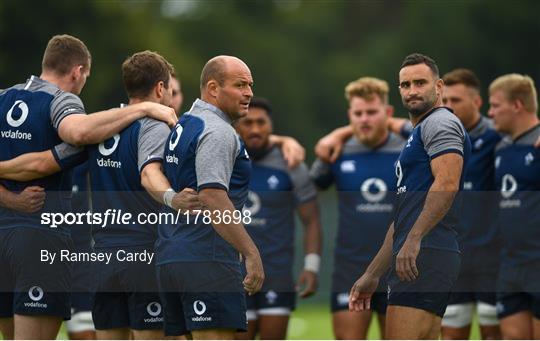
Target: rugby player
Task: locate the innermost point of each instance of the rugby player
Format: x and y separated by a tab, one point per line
365	181
198	262
125	174
275	193
421	247
513	105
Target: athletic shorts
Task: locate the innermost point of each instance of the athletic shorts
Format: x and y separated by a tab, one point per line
477	280
518	289
126	294
343	278
430	291
29	286
202	295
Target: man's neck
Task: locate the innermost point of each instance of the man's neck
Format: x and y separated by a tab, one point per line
133	100
472	122
418	118
527	122
61	82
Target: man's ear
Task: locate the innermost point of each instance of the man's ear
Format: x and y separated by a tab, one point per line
439	84
76	72
159	89
477	101
212	88
517	105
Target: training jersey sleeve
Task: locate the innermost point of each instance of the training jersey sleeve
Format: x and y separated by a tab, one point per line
153	135
68	156
63	105
215	156
303	188
442	133
321	174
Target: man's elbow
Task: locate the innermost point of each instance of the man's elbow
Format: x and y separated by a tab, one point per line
211	197
449	186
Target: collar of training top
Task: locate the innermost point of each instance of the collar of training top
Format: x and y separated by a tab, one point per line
200	104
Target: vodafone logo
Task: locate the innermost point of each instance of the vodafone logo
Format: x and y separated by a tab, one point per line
24	114
35	293
509	186
106	151
199	307
153	309
373	183
174	140
254	203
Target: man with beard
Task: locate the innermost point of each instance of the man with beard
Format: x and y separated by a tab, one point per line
513	105
421	245
275	193
365	181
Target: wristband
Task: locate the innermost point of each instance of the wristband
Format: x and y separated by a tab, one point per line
312	262
168	196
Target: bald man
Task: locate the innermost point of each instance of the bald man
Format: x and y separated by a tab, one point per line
198	256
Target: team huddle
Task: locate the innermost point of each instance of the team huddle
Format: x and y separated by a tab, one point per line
438	216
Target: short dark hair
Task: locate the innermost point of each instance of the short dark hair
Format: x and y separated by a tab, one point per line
462	76
63	52
418	58
261	103
143	70
215	68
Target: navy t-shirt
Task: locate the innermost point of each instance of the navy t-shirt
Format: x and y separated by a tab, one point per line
439	132
517	175
202	151
366	185
30	114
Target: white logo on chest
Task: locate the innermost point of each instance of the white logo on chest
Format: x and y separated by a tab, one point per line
106	151
478	144
348	166
24	114
379	186
273	182
509	186
174	143
409	141
529	158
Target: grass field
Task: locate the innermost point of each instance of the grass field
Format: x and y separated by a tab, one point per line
313	322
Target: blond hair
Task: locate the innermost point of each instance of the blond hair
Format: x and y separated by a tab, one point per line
517	87
367	88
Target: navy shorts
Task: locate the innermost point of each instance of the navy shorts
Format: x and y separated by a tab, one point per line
518	289
430	291
477	280
29	286
126	294
202	295
271	299
343	278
